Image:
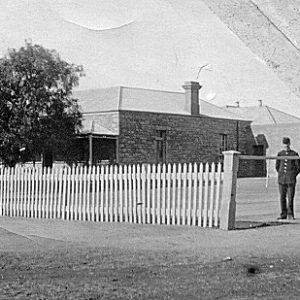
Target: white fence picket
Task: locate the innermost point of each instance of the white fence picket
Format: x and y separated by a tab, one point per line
200	195
168	204
68	194
134	194
80	193
148	193
111	195
158	195
48	178
29	191
101	188
88	198
183	196
130	204
76	193
9	191
138	194
21	196
173	209
93	178
97	194
179	192
218	195
71	193
5	197
60	191
189	194
212	195
121	191
105	188
84	193
11	188
1	192
35	192
206	190
13	191
17	199
195	186
126	194
55	196
42	194
163	194
51	181
115	195
16	192
153	199
143	204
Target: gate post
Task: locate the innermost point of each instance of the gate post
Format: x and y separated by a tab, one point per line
228	204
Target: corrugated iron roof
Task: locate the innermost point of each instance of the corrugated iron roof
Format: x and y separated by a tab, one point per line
139	99
95	100
263	115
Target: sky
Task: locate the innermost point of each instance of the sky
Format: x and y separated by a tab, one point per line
156	44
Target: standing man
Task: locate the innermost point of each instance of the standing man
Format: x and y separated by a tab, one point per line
287	172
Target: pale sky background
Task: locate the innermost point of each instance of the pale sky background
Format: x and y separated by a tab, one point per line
156	44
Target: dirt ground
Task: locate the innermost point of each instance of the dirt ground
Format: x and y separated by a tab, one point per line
55	259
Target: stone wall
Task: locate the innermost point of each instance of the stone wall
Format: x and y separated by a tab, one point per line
189	138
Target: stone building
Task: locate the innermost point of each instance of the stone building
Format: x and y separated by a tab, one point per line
134	125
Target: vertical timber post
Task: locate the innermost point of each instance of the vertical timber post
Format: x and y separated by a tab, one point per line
228	204
91	149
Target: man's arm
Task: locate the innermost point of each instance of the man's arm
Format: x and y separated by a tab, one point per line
277	163
297	163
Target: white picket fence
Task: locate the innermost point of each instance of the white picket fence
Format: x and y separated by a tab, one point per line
181	194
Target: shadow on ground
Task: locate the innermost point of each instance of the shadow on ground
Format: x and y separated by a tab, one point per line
243	225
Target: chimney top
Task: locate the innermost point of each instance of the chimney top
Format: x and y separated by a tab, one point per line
260	103
192	85
237	103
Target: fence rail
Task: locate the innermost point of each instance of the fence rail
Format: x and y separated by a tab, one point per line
185	194
261	157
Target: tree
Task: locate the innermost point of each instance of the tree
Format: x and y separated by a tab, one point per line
38	112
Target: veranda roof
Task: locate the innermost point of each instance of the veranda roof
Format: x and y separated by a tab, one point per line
92	127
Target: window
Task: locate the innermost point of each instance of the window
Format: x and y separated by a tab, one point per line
161	146
223	142
258	150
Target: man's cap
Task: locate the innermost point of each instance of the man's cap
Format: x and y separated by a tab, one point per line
286	141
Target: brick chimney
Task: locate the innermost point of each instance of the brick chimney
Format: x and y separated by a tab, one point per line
192	97
260	104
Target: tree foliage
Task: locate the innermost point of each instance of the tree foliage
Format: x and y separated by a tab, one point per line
37	109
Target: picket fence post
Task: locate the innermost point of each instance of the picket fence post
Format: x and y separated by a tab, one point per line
228	204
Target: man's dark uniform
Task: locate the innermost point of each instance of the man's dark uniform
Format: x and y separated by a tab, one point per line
287	173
